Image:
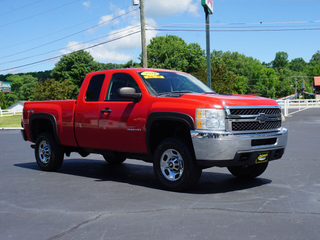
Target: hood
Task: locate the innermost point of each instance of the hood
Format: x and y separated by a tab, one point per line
220	101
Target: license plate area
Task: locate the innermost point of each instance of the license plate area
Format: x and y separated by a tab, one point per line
263	157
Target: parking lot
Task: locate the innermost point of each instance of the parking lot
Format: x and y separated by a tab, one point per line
89	199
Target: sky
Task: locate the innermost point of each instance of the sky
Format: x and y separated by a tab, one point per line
35	34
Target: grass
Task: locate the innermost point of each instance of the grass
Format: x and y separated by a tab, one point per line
11	121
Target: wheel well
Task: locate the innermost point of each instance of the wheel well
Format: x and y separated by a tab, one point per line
40	123
39	126
163	129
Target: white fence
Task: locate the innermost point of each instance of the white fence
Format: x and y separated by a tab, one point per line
8	112
297	105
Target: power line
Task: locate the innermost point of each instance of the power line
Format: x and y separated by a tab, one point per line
20	8
234	30
74	45
38	14
254	23
34	39
265	79
52	58
45	44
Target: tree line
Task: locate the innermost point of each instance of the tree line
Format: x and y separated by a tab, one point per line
231	72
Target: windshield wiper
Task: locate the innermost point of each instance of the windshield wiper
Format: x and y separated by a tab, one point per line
174	92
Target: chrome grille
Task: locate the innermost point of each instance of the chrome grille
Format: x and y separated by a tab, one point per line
251	118
254	125
254	111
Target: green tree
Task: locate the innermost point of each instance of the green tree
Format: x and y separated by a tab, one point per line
53	90
315	58
297	65
75	67
222	81
131	64
280	60
3	104
172	52
21	87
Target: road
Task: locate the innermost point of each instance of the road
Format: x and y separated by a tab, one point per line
89	199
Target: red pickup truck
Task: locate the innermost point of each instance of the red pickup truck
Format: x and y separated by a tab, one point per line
165	117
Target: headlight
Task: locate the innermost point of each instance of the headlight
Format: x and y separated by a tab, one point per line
211	119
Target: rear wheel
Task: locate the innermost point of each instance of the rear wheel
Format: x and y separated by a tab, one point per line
49	155
247	172
175	165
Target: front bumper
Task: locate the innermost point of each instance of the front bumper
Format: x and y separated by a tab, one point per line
227	149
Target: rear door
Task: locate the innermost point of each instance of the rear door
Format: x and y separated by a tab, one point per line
88	112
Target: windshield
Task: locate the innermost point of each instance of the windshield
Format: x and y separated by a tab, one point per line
159	83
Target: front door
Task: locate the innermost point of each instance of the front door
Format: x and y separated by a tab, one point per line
121	122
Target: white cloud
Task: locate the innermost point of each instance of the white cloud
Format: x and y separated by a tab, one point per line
106	19
86	4
125	39
164	8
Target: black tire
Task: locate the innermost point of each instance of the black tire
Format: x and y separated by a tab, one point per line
49	155
248	172
175	165
114	160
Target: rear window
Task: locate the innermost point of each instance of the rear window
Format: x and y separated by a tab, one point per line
94	88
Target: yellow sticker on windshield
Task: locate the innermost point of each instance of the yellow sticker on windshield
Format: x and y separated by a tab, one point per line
147	75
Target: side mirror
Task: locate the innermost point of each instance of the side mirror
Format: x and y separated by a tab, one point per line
129	93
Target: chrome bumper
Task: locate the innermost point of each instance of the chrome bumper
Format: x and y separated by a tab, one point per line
224	146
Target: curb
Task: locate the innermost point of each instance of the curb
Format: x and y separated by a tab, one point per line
11	128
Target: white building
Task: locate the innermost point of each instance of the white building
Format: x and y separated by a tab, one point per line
17	107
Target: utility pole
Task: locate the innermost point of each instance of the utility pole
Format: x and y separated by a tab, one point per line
143	35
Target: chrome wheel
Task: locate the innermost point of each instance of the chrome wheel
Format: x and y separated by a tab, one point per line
44	152
172	165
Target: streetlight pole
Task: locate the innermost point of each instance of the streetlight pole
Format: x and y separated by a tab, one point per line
208	49
208	9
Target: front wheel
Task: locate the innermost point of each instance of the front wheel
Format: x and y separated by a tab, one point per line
49	155
175	165
247	172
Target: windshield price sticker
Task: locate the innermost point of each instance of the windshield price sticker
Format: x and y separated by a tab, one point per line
147	75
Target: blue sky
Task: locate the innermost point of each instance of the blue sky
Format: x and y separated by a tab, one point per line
36	33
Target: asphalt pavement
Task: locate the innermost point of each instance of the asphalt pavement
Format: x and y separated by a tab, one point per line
89	199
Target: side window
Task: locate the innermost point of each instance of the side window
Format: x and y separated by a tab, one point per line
94	88
117	81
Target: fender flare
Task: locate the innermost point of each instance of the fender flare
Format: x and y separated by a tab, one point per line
45	116
174	116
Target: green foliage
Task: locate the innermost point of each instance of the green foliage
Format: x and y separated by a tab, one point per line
3	104
75	67
297	65
172	52
131	64
21	87
281	60
108	66
53	90
222	80
231	72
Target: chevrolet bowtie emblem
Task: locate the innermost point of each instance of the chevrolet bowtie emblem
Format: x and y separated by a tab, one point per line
262	118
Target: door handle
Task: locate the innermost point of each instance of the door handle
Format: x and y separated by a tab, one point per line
106	110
